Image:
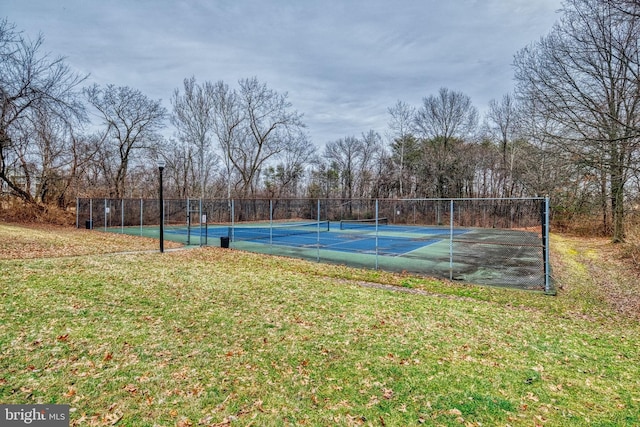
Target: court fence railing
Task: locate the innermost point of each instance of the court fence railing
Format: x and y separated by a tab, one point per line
495	241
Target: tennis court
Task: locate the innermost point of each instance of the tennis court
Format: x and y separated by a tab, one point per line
500	242
475	255
386	240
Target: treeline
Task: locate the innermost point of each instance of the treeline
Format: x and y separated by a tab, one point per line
570	131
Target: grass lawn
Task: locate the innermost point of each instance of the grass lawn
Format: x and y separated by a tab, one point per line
215	337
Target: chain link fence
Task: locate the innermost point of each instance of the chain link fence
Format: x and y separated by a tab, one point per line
501	242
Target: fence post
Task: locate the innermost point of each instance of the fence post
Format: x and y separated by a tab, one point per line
189	221
451	213
77	212
122	215
377	218
200	217
318	241
545	250
233	219
270	222
141	217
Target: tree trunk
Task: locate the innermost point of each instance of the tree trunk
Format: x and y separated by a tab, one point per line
617	204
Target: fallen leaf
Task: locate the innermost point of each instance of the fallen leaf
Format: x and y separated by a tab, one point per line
387	393
131	388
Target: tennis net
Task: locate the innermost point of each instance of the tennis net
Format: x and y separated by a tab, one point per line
254	232
348	224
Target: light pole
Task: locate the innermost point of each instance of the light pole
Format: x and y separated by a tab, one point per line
161	164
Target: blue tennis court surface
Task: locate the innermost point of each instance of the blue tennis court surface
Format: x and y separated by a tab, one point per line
344	242
391	240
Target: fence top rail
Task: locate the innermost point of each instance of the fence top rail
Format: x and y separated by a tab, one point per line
465	199
419	199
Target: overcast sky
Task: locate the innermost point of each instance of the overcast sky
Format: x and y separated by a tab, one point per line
343	63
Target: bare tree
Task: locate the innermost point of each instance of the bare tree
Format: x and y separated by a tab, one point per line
501	123
401	125
447	116
182	179
227	125
60	155
269	126
370	159
626	7
131	121
32	86
345	154
283	179
584	77
194	118
446	122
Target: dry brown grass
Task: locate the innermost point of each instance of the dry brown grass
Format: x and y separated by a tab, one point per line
582	226
27	241
611	270
223	337
631	249
15	211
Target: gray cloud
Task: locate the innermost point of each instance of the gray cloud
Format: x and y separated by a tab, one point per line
343	62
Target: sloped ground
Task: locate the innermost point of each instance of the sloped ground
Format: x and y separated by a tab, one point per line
219	337
603	269
50	241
